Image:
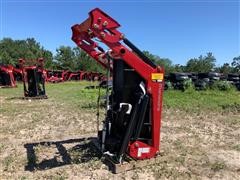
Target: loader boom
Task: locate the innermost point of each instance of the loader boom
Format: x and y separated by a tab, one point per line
133	123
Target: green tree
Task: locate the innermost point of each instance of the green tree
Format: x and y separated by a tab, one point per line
75	59
201	64
165	62
178	68
85	62
65	58
225	68
236	64
192	65
11	50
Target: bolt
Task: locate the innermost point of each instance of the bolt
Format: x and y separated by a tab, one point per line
105	23
96	26
99	19
89	32
122	36
102	34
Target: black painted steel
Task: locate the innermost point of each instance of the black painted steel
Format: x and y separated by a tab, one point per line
139	52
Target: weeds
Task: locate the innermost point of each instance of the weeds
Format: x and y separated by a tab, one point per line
237	147
223	86
8	161
1	147
217	166
235	107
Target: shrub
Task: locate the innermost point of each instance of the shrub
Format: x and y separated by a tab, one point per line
222	86
188	85
168	85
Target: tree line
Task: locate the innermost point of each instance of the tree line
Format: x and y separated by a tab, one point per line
75	59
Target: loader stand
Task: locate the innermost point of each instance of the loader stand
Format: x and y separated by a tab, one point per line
33	82
7	79
128	163
131	128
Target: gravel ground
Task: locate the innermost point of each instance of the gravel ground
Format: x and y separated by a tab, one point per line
46	139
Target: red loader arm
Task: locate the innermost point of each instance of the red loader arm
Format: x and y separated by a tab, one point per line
101	27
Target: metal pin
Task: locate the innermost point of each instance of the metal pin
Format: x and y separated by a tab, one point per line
122	36
96	26
102	34
99	19
105	23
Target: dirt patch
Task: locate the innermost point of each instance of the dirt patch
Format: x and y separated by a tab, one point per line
47	140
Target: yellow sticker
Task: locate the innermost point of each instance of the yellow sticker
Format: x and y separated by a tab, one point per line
157	76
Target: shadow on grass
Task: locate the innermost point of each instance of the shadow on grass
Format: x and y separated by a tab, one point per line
84	151
13	98
28	98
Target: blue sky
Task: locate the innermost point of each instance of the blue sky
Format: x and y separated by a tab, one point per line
178	30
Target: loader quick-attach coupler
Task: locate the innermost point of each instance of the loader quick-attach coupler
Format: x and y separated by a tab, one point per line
131	128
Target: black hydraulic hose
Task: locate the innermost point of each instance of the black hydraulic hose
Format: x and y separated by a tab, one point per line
139	53
141	116
98	107
129	131
100	49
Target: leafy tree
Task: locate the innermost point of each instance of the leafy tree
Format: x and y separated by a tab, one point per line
165	62
201	64
75	59
225	68
85	62
236	64
11	50
65	58
192	65
178	68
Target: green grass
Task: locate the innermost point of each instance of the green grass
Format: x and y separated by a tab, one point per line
74	94
217	166
212	100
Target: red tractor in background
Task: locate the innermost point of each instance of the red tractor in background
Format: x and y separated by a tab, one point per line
34	77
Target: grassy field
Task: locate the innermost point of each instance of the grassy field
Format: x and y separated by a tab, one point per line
46	139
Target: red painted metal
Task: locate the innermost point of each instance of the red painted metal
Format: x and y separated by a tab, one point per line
74	76
55	76
17	71
102	27
38	64
8	69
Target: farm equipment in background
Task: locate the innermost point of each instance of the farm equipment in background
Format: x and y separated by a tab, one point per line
93	76
74	76
34	79
206	80
84	75
179	80
57	76
131	129
6	76
234	79
201	81
17	72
